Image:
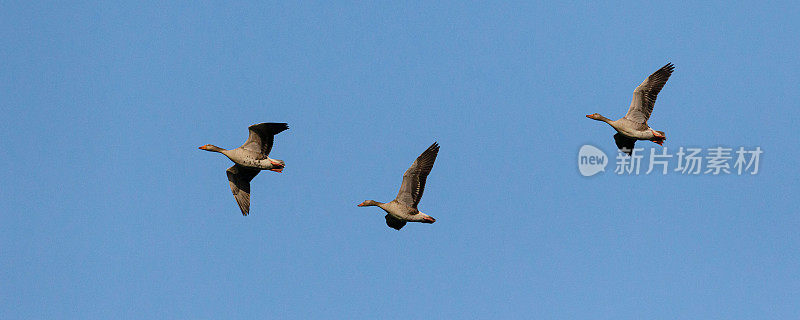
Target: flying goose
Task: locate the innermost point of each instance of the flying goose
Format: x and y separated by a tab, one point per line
633	126
250	159
404	207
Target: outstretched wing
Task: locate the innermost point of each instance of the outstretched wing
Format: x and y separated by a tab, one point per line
239	178
414	179
261	137
394	223
644	97
624	143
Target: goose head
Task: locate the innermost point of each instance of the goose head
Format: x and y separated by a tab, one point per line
595	116
598	117
424	218
210	147
368	203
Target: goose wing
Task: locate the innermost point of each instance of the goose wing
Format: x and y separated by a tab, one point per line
644	97
624	143
261	137
239	178
394	223
413	184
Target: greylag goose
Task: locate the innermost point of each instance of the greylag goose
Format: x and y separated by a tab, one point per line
404	207
250	159
633	126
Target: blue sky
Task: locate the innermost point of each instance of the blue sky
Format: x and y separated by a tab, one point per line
109	210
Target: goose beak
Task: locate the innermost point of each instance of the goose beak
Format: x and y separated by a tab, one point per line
201	147
362	204
589	116
429	220
279	170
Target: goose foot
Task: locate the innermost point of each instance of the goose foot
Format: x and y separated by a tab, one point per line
657	134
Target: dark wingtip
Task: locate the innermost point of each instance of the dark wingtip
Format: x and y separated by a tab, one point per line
280	127
270	127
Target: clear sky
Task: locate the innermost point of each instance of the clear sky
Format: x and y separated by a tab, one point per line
109	210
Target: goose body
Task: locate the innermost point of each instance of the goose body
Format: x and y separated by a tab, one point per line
250	159
632	129
633	126
403	208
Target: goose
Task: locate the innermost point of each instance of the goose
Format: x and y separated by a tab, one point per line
250	159
404	207
633	126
